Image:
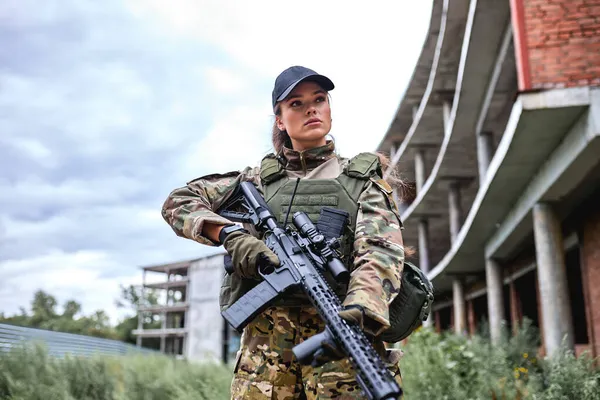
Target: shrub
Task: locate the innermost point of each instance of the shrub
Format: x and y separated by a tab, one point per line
567	377
449	366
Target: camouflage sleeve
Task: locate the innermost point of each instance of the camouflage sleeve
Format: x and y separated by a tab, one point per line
378	254
186	209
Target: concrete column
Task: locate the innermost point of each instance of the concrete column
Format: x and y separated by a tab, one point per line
446	108
485	152
428	322
515	313
460	312
419	168
471	318
176	346
438	322
424	245
163	343
455	210
552	278
493	278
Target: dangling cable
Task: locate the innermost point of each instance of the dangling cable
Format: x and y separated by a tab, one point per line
291	201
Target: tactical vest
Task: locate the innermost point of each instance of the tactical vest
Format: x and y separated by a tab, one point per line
311	195
413	303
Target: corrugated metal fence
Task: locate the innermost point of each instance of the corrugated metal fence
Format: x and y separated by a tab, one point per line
59	344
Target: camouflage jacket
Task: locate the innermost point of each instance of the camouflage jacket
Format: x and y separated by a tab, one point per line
378	247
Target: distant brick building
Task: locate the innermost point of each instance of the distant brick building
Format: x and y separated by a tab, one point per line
499	132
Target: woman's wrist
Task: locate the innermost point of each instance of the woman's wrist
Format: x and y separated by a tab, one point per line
212	231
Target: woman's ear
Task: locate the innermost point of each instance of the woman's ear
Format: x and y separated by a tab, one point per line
279	123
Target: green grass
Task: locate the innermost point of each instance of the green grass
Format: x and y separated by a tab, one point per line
441	367
31	374
448	366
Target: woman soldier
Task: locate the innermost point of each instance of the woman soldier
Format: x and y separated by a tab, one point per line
371	245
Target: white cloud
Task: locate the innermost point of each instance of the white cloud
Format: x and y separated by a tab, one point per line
71	191
368	51
34	149
223	81
66	276
107	107
235	140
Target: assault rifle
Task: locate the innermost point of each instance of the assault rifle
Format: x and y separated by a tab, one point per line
304	256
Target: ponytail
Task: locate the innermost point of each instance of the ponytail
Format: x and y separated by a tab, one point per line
279	138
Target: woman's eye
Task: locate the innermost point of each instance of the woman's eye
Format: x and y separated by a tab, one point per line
295	103
320	99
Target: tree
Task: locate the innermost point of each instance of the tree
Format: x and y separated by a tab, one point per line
71	308
44	316
43	307
132	297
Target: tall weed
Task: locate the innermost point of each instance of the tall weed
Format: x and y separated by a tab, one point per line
29	373
448	366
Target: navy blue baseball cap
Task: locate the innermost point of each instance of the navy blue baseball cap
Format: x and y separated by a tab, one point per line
288	79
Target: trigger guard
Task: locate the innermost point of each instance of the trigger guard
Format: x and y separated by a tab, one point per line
263	266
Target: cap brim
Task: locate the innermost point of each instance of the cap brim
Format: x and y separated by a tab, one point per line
322	80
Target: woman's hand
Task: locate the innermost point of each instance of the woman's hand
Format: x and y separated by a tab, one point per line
355	314
247	252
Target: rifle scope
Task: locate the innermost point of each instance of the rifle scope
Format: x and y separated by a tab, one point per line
303	223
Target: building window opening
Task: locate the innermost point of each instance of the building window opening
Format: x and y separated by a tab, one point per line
527	295
575	282
480	309
507	317
445	318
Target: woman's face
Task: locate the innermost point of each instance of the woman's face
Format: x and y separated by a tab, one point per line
305	115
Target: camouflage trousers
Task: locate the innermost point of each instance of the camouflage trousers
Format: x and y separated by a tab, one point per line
266	368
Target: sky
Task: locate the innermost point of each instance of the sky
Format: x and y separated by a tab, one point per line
106	106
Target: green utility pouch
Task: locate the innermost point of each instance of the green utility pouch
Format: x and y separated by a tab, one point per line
411	306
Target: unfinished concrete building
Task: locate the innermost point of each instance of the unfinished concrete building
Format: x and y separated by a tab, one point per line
498	131
191	323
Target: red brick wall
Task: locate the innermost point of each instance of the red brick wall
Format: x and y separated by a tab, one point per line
557	43
591	276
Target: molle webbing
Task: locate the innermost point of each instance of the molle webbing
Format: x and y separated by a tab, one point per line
341	192
310	197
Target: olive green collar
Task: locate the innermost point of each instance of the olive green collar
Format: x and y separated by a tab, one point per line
308	159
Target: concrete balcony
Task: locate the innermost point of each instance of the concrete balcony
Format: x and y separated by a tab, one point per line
158	308
168	285
534	137
155	333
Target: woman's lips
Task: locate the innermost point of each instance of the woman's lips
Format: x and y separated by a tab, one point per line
312	121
